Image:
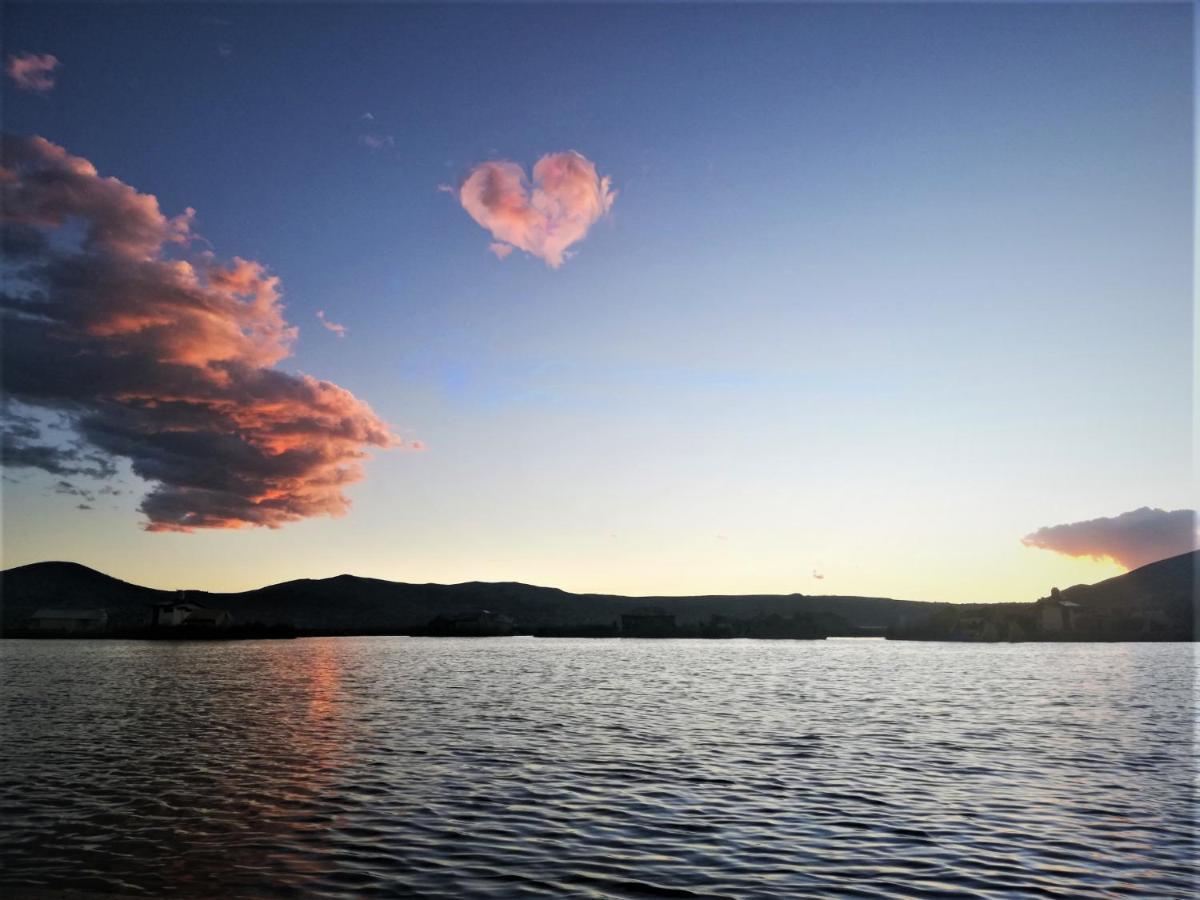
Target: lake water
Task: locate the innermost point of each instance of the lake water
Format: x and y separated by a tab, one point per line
514	767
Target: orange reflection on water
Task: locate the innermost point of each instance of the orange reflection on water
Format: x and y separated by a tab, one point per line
311	727
325	678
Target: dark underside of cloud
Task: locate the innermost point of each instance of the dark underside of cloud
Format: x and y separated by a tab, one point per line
156	355
1132	539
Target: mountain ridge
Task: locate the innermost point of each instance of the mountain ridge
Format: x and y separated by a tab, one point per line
347	603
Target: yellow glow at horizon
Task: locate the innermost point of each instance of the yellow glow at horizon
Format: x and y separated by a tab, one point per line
665	561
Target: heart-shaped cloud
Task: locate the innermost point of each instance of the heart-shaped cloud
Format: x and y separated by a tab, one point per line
566	198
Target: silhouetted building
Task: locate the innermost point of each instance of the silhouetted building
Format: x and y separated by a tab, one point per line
478	623
647	622
171	614
719	627
69	620
180	612
211	618
1058	616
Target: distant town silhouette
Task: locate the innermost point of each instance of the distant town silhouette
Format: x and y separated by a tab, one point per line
1155	602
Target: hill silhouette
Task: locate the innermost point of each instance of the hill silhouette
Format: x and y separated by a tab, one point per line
1169	582
348	604
1155	602
351	604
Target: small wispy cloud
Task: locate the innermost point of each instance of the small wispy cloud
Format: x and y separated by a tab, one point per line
1132	539
339	330
545	216
19	450
225	49
66	487
817	575
32	71
376	141
373	135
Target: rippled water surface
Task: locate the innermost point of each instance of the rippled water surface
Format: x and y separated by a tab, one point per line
514	767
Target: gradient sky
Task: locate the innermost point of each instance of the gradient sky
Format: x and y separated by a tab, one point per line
883	289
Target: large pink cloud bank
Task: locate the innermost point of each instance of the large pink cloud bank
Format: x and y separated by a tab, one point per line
160	356
1132	539
543	217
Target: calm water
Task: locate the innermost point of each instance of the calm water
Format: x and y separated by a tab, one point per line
522	767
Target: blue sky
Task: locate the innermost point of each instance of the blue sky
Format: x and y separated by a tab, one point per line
884	288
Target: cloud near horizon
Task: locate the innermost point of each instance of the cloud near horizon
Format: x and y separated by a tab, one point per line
543	218
161	357
32	71
1132	539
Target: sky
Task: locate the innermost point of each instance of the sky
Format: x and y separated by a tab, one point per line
888	300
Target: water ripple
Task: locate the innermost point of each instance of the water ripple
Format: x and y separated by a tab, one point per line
634	769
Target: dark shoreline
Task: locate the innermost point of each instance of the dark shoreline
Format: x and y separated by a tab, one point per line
231	633
1154	604
279	633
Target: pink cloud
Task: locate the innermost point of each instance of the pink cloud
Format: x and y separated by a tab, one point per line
544	218
162	357
339	330
501	250
32	71
1132	539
